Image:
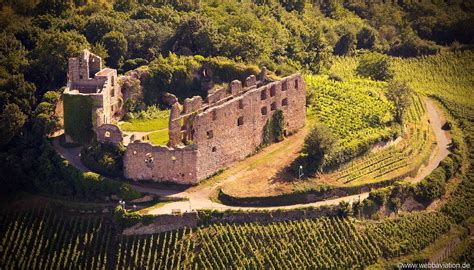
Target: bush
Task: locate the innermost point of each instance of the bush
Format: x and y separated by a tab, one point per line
379	196
432	187
448	166
104	158
127	219
375	66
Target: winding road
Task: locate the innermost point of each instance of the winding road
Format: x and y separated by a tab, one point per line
199	197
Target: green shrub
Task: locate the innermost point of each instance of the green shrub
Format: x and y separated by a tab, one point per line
431	187
127	219
375	66
380	195
104	158
448	166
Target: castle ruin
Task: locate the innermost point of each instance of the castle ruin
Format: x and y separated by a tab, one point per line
207	135
87	78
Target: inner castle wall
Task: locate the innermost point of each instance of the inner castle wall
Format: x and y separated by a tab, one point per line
226	128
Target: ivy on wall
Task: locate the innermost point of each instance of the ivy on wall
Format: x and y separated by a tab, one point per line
78	118
273	131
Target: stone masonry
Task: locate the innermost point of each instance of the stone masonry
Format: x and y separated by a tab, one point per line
87	77
207	135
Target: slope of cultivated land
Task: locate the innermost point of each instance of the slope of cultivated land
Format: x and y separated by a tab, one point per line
403	158
45	239
449	78
355	110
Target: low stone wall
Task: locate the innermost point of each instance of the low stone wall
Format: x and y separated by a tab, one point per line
239	217
164	223
301	197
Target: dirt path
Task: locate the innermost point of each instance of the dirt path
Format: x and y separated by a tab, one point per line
266	164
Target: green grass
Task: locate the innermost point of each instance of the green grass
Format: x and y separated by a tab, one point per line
159	137
145	125
146	122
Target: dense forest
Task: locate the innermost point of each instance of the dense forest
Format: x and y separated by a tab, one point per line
169	37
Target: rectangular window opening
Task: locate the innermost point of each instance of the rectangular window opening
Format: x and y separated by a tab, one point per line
264	110
240	121
209	134
284	102
272	91
214	115
273	106
241	104
263	94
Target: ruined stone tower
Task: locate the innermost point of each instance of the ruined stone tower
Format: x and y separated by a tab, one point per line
92	96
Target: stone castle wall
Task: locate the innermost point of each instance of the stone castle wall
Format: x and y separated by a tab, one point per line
143	161
227	128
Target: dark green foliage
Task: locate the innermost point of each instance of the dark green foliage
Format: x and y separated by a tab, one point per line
227	70
127	219
50	57
431	187
195	35
380	195
116	46
318	144
273	131
344	209
104	158
133	64
375	66
46	121
277	125
290	5
366	38
98	26
78	118
448	166
12	120
345	45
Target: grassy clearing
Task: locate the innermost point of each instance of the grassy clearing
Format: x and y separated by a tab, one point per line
148	120
159	137
145	125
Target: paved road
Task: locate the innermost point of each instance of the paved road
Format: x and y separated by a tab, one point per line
199	198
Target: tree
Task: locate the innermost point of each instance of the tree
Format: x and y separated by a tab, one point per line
375	66
318	144
399	93
51	56
12	120
195	35
366	38
116	46
97	26
345	44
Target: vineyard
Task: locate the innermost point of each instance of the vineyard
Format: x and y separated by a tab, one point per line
42	239
355	110
402	158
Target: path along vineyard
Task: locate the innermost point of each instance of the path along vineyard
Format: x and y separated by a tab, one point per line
44	239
